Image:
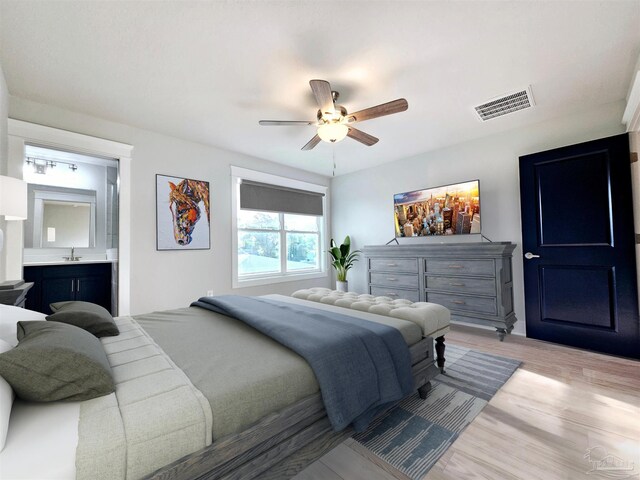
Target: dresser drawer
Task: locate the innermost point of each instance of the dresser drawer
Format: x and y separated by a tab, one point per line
395	280
409	265
464	303
465	267
395	293
479	286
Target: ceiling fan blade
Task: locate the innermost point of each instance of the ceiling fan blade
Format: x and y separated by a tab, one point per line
395	106
312	143
284	122
362	137
322	91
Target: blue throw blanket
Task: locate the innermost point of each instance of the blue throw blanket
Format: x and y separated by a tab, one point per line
361	366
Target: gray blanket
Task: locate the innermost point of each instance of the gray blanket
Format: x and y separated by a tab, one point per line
361	366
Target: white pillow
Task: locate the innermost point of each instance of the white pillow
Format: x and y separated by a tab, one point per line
6	400
9	318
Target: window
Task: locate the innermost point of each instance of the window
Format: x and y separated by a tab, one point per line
261	236
279	229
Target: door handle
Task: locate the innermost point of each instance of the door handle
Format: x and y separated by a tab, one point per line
72	286
78	290
530	255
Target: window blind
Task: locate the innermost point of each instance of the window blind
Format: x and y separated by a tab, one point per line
274	198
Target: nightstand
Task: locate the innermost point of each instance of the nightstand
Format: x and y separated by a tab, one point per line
14	292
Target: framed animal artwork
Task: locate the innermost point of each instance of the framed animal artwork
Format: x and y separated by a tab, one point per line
182	214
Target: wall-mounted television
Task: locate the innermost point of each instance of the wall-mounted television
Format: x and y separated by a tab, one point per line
438	211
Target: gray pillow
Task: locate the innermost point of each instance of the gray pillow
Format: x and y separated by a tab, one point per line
88	316
55	361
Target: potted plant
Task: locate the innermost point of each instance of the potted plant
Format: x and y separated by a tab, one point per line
342	260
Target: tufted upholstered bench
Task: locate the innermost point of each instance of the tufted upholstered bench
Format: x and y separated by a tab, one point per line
433	319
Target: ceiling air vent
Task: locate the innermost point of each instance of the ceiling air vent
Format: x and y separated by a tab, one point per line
509	103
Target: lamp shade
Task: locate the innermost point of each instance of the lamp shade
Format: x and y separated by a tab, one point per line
13	198
332	132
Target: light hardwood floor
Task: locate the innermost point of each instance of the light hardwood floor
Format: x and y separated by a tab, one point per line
559	403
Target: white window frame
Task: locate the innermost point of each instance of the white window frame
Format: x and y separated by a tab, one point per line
237	175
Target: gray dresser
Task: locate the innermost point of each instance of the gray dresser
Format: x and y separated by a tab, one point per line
473	280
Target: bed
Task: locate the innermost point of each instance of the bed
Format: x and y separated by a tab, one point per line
192	402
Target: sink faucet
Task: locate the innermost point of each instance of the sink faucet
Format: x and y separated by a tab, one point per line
73	257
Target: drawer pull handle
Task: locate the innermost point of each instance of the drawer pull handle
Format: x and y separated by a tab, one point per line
457	284
392	264
392	294
392	279
456	266
458	302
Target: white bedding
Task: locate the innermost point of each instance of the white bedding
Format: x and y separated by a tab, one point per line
42	437
9	318
41	442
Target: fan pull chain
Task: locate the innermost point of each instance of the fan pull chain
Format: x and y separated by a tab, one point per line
333	150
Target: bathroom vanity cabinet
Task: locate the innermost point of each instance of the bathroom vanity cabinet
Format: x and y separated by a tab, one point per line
89	282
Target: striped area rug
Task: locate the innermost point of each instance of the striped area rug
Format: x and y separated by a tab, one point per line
412	436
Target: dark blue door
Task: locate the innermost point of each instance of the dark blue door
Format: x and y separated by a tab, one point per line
579	245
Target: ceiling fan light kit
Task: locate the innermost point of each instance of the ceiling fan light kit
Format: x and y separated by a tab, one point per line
334	122
332	132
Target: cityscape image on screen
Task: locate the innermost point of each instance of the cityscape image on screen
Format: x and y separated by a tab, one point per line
448	210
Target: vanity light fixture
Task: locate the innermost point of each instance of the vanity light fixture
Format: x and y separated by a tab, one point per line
40	165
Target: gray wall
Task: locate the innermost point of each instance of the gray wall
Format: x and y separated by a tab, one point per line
362	202
4	112
163	280
4	109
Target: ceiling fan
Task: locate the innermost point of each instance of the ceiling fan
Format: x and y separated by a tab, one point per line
334	123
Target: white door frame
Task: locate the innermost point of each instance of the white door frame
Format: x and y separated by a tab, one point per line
23	133
631	119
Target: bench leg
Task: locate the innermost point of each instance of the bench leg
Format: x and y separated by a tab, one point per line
424	390
440	353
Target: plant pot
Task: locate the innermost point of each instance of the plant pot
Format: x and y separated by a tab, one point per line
342	286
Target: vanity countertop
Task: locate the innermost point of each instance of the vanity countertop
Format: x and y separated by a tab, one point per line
64	262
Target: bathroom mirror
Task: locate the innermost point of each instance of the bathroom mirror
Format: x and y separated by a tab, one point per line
66	224
72	202
60	217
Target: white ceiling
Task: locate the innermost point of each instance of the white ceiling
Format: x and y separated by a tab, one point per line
208	71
